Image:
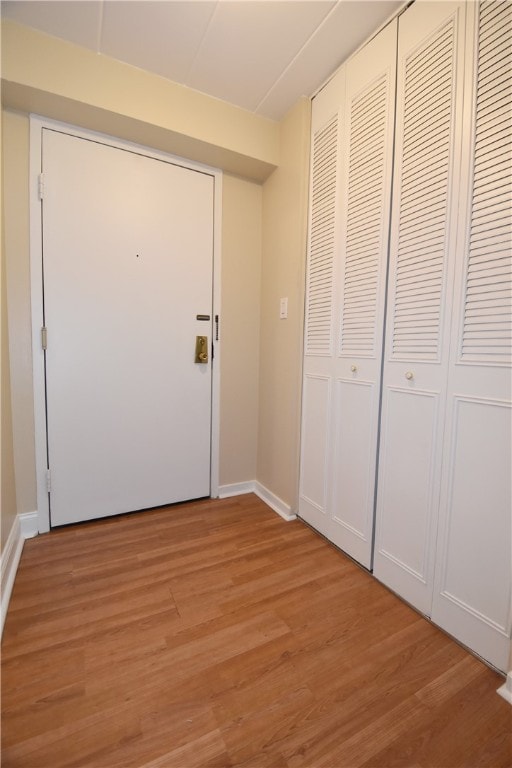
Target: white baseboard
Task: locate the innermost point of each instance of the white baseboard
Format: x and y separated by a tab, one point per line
236	489
506	689
274	502
29	524
23	527
253	486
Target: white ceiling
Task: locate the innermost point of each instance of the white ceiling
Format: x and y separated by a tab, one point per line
261	55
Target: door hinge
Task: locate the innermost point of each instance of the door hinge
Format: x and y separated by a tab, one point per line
48	480
40	186
44	338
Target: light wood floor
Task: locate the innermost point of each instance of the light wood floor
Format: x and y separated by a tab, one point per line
216	634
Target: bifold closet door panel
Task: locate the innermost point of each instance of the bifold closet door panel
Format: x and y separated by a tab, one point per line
367	150
472	597
422	248
321	287
347	260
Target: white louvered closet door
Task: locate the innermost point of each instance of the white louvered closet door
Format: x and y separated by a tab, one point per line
366	181
345	295
423	234
321	286
472	597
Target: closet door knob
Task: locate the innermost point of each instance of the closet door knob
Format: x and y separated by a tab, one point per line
409	375
353	368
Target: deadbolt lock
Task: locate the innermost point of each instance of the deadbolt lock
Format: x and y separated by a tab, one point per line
201	349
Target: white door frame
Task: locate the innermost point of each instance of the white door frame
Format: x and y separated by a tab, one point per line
37	124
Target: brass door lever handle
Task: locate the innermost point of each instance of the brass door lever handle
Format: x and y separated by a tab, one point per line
201	349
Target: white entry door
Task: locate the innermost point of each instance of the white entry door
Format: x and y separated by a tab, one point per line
127	268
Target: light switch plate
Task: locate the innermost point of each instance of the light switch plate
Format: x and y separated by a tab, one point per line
283	309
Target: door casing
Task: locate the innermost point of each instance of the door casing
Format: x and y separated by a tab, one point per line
37	124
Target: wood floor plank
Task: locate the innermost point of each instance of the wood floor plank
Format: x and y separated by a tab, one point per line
208	750
216	634
437	740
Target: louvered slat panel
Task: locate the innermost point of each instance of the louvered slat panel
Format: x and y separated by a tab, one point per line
428	97
487	330
363	243
321	244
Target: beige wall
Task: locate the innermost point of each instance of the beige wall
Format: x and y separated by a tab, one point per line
97	92
263	245
240	292
15	144
47	76
283	268
8	498
8	495
240	328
